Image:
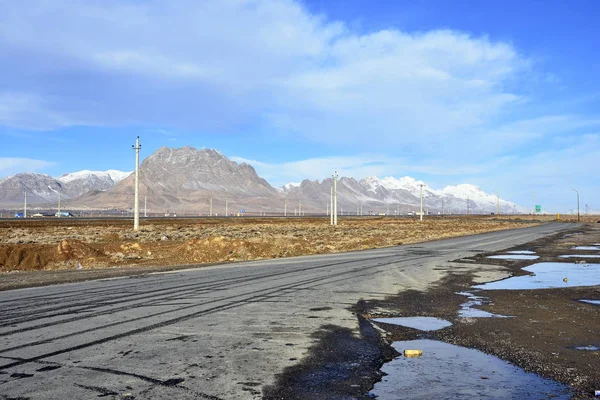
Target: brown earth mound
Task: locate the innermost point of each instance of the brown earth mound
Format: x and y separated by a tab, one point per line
59	244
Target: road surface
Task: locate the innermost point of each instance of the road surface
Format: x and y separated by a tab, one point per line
220	332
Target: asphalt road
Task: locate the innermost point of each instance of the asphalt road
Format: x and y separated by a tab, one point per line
221	332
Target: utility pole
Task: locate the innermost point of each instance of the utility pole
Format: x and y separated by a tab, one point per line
357	209
285	207
226	210
331	206
25	207
145	206
421	185
497	204
467	205
210	209
58	204
335	176
442	206
577	204
300	208
136	201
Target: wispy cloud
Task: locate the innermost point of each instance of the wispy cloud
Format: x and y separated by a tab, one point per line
10	166
158	63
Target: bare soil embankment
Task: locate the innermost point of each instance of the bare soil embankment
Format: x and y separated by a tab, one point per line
82	245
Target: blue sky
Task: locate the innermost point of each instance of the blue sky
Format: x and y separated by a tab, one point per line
501	94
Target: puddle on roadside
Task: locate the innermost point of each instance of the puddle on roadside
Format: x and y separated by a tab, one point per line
585	248
595	302
514	257
520	252
580	256
467	309
449	371
548	276
420	323
588	348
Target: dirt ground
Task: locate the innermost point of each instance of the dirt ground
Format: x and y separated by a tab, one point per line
547	326
67	244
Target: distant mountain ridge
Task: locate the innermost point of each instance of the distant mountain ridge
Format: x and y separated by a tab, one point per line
42	188
400	195
186	179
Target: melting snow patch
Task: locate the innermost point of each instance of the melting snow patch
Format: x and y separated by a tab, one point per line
521	252
586	248
595	302
446	371
549	275
514	257
420	323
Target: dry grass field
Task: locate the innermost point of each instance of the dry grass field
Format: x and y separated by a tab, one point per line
51	244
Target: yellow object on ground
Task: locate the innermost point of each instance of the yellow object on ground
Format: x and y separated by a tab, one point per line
413	353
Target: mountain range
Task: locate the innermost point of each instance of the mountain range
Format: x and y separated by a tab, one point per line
189	180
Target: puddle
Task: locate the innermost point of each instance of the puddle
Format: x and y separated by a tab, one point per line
467	309
588	348
514	257
549	275
595	302
580	256
420	323
449	371
520	252
585	248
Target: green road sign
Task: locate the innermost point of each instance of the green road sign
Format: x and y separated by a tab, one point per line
538	208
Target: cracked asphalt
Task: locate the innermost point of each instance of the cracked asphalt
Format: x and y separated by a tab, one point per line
222	332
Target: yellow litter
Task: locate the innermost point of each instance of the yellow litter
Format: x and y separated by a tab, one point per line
413	353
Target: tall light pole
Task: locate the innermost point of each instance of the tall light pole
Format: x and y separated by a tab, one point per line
145	206
25	206
210	209
442	206
285	207
497	204
226	207
421	213
335	176
331	206
467	205
136	201
577	204
58	214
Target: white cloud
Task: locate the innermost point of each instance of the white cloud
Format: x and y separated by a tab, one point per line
279	174
10	166
201	65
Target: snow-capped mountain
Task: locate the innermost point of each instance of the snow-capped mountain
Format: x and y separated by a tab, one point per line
401	195
42	188
191	179
114	175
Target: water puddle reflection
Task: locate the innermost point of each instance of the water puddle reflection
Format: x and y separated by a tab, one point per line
514	257
420	323
467	309
588	348
449	371
580	256
595	302
520	252
549	275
